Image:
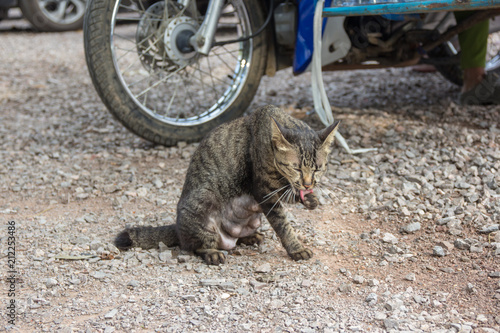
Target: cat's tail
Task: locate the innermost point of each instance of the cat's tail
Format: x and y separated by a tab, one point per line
147	237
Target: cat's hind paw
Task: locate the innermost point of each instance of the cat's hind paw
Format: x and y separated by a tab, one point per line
256	238
212	256
303	254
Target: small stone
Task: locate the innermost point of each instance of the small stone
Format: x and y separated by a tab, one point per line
133	283
81	240
258	285
373	282
411	227
162	247
264	268
389	238
391	324
111	314
476	248
380	316
164	256
112	248
306	283
494	275
371	298
98	275
50	282
188	297
183	258
142	192
225	295
446	245
405	211
438	251
448	270
358	279
345	288
95	244
482	318
490	229
277	303
393	304
461	244
410	277
212	282
109	188
470	288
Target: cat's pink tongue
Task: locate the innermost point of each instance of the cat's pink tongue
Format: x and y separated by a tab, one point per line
303	193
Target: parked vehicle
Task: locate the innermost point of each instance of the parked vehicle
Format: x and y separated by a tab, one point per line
48	15
158	73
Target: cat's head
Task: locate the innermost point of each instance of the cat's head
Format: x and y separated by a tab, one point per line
301	154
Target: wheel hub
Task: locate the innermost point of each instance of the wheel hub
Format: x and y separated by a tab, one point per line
176	40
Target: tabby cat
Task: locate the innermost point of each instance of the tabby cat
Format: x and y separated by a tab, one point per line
240	171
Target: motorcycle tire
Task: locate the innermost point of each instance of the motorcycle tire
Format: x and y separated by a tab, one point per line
54	15
160	92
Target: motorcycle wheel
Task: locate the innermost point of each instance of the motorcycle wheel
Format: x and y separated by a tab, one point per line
54	15
153	88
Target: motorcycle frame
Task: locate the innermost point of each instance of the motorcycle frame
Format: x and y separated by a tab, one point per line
202	41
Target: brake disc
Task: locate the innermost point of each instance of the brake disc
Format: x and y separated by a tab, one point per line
157	44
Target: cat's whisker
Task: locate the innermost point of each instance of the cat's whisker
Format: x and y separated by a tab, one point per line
288	195
270	195
276	202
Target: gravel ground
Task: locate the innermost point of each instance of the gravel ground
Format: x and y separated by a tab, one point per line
406	238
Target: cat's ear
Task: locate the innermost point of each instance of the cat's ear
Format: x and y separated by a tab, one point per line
328	135
277	137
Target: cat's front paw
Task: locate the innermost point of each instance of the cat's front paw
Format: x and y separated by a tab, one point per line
303	254
256	238
310	201
212	256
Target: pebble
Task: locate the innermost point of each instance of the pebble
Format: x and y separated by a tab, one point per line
470	288
212	282
98	275
494	275
476	248
490	229
393	304
411	227
461	244
410	277
133	283
358	279
111	314
264	268
438	251
51	282
371	298
345	288
391	324
389	238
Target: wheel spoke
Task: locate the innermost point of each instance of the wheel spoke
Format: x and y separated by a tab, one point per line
180	90
158	83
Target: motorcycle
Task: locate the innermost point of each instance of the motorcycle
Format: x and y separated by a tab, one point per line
172	71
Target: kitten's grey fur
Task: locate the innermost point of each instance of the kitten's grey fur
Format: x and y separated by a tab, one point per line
239	172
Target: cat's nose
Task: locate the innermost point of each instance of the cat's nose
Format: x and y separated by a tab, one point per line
307	185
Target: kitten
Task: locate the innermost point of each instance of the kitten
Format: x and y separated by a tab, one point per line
240	171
